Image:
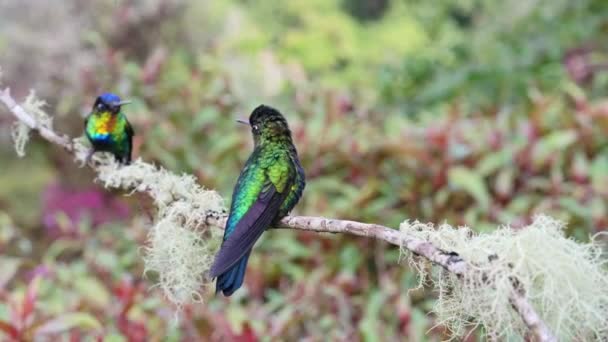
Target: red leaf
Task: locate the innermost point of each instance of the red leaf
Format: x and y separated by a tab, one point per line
248	335
9	329
126	292
29	300
134	331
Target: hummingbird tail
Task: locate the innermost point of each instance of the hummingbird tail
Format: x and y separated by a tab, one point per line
123	159
127	158
232	279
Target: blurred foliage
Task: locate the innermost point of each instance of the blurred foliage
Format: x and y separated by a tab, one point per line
475	112
490	53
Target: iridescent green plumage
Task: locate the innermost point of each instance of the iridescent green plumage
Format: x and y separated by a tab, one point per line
270	185
108	129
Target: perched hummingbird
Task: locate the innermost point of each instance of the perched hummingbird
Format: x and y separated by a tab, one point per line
108	129
269	186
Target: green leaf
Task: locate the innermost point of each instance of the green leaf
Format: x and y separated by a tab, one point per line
350	259
59	247
114	337
288	245
370	326
505	182
551	144
419	325
494	161
598	208
599	174
67	322
8	269
93	290
574	206
471	182
236	316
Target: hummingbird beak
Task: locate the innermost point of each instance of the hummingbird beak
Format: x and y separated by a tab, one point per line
245	122
122	103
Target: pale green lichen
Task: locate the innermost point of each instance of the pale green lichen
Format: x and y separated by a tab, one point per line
164	187
20	132
180	245
565	281
181	256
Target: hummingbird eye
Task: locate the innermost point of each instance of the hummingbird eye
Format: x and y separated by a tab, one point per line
255	127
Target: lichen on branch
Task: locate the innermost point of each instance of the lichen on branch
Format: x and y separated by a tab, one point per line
20	131
564	280
180	245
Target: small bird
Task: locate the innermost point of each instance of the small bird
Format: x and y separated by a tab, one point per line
269	186
108	129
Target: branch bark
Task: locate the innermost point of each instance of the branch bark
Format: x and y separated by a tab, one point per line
30	121
448	260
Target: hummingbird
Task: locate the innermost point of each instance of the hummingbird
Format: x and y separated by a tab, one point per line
269	186
108	129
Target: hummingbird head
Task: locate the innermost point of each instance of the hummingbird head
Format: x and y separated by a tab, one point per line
268	124
108	102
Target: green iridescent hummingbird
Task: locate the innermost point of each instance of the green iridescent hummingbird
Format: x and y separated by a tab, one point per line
269	186
108	129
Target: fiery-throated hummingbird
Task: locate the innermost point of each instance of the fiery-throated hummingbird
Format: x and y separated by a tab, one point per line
108	129
269	186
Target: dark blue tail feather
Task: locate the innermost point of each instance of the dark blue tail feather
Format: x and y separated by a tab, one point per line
232	279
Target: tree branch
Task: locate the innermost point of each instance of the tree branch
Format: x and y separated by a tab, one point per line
452	262
30	121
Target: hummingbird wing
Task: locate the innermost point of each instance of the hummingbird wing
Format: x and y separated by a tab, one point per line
129	131
86	125
249	228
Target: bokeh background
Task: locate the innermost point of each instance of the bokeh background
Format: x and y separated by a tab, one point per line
479	113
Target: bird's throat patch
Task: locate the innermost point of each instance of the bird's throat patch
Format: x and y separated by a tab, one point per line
105	124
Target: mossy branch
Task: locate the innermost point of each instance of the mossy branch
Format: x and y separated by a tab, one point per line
177	197
450	261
